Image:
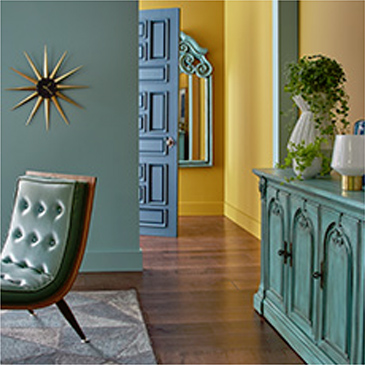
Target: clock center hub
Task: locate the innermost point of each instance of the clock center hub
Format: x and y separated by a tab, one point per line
46	88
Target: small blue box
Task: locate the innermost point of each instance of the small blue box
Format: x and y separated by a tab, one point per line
359	128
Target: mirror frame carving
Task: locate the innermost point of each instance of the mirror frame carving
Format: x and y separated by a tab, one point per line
192	61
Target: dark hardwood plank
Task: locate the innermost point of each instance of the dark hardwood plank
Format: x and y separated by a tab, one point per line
196	292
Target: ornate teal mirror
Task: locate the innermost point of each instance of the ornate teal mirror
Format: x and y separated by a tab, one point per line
196	105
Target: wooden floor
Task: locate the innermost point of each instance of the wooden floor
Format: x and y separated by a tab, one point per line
196	292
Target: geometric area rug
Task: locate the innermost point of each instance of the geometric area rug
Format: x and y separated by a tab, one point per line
111	320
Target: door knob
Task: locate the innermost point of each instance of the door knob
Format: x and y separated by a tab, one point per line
319	275
316	275
170	142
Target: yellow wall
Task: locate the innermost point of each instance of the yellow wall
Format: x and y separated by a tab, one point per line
248	107
201	189
336	29
333	28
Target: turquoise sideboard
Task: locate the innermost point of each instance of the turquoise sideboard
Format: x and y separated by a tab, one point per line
312	266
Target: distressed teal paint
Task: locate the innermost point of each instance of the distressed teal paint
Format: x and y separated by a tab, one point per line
314	299
102	139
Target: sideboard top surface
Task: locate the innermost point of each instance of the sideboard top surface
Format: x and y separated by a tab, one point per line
326	186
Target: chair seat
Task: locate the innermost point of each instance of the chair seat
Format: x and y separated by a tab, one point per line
20	276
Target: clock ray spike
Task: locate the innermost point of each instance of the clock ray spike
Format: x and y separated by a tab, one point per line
25	88
28	98
71	87
67	74
58	106
33	66
34	81
53	73
45	63
35	109
64	97
46	112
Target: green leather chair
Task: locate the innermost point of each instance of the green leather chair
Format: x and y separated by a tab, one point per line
46	241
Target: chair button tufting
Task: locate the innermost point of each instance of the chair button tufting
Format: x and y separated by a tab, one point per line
59	209
7	260
33	238
18	233
52	242
23	205
22	264
41	209
39	270
14	281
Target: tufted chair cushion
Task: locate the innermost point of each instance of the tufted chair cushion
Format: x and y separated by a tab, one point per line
43	238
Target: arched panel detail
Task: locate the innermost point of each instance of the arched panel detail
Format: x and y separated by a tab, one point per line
337	290
276	239
302	268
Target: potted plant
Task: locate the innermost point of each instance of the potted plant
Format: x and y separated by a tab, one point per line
316	85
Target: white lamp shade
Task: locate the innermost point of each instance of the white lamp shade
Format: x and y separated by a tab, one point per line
349	155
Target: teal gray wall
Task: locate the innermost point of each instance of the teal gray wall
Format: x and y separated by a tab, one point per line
101	139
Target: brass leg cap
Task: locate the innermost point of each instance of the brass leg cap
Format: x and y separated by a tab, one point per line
351	183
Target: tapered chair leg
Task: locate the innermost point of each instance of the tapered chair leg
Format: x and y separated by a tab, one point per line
67	313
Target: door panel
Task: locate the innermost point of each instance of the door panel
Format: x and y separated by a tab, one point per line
157	123
303	257
277	243
158	182
337	282
153	74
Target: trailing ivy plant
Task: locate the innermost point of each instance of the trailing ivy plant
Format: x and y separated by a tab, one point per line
304	156
320	81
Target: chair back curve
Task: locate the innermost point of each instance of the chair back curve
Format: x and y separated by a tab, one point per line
46	240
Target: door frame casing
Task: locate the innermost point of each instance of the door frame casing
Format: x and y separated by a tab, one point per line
285	20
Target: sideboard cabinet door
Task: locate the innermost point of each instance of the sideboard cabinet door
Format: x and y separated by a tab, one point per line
303	243
339	241
277	246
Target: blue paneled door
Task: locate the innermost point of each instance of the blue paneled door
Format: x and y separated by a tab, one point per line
158	115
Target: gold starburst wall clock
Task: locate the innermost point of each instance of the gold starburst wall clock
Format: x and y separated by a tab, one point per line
46	88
